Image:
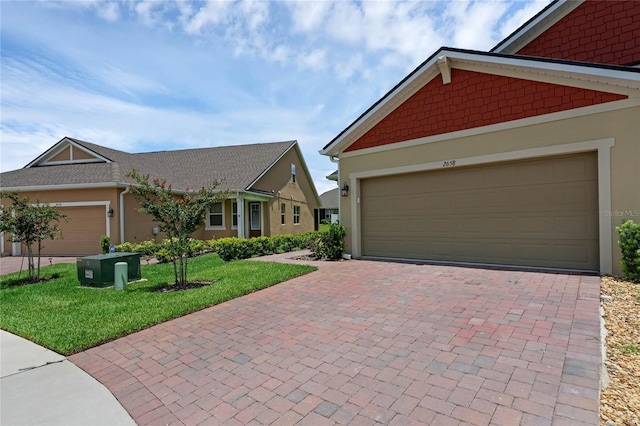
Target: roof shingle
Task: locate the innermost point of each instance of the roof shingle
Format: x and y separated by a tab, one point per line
236	167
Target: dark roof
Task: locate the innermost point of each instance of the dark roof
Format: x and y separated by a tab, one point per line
330	199
237	166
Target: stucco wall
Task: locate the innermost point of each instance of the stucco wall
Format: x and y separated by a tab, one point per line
73	201
621	125
277	181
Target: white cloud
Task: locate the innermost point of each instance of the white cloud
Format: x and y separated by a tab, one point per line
179	74
315	60
473	22
513	22
211	14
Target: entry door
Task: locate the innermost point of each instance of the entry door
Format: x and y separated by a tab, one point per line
255	216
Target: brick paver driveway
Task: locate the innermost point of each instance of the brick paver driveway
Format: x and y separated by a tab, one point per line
362	342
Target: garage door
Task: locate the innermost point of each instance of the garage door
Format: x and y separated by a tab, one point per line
540	212
81	234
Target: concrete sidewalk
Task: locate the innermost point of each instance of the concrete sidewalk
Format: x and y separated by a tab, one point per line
41	387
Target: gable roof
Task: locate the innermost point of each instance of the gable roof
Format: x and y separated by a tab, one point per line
330	199
238	167
442	61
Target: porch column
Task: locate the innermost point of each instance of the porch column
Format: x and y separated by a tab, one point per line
241	221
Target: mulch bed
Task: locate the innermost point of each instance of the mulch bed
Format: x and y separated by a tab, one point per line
620	401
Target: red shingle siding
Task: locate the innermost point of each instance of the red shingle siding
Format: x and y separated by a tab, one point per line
600	31
472	100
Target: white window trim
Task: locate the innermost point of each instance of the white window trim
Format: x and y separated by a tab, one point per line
294	178
294	215
207	227
283	214
237	215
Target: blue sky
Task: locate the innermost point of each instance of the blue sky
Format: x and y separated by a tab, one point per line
161	75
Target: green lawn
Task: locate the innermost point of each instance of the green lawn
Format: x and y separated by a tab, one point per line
67	318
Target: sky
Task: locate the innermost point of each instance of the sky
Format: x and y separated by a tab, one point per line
158	75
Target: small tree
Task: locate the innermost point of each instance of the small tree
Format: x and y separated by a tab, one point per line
30	223
178	216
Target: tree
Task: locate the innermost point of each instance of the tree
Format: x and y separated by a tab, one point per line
177	215
30	223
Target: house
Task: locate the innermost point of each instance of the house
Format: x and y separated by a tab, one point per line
329	205
527	155
271	191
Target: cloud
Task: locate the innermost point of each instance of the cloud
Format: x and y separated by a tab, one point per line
211	14
520	16
472	23
152	74
308	16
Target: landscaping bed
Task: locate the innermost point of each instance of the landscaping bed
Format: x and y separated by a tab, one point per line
67	318
620	400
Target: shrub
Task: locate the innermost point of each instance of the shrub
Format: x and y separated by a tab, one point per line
630	245
125	247
230	248
105	243
234	248
147	248
329	244
163	255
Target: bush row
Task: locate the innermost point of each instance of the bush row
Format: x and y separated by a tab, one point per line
326	245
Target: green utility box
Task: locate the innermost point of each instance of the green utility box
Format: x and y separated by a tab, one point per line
98	270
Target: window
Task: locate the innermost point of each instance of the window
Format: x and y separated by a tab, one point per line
296	215
283	212
293	173
234	215
216	217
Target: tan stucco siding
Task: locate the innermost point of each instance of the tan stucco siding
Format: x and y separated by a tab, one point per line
64	155
139	226
87	209
622	126
277	181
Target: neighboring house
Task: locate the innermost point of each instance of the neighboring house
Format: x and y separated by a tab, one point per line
329	205
527	155
270	191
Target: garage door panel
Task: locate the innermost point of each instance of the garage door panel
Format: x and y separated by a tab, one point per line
540	212
81	234
572	225
577	254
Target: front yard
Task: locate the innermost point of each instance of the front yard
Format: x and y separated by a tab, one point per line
67	318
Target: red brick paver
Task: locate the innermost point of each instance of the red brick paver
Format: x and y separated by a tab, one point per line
362	342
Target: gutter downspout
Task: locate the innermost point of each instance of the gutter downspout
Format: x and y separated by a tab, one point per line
336	160
126	191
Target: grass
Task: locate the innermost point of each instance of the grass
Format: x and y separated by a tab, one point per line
324	227
630	348
67	318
